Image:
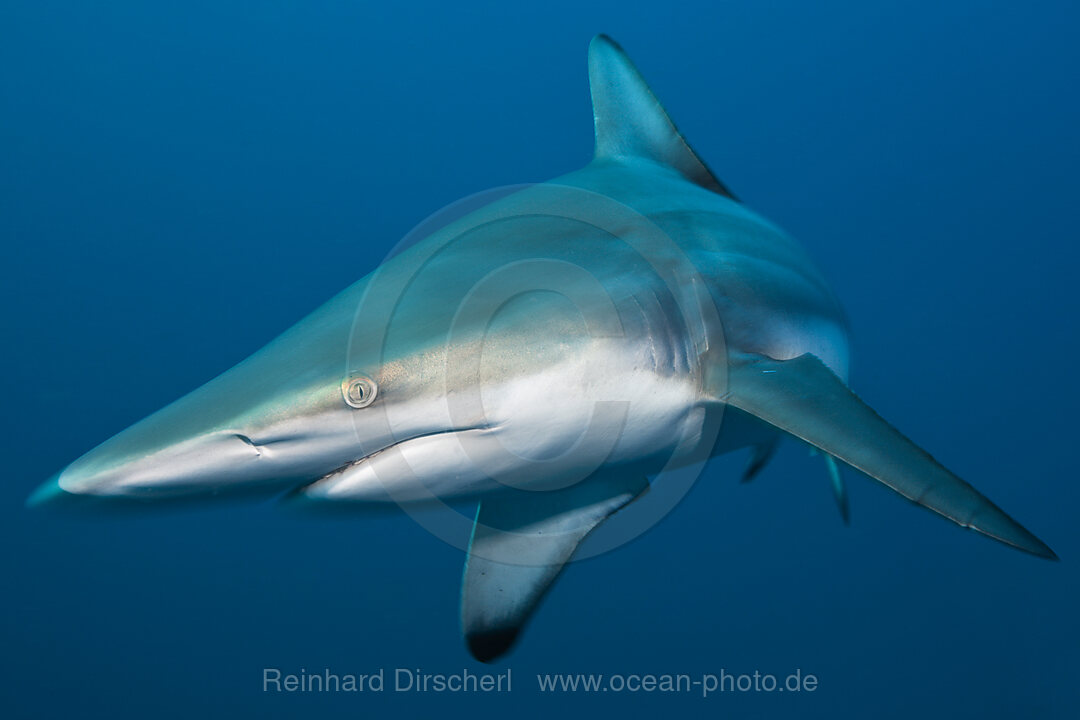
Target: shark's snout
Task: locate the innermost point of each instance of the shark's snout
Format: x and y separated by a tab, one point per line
115	469
47	493
278	419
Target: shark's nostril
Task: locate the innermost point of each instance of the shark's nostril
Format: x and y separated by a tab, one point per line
248	441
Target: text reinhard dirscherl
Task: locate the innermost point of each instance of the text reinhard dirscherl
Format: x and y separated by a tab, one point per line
415	680
381	680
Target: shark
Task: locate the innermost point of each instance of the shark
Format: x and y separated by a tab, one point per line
546	356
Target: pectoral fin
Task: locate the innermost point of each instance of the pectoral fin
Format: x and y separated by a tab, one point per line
803	397
521	540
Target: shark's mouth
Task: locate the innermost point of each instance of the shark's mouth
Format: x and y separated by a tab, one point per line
332	485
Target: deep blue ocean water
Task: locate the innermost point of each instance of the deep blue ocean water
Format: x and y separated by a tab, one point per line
179	183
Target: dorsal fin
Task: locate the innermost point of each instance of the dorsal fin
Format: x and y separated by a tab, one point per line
631	122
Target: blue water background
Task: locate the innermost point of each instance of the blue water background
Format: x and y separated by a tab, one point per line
180	182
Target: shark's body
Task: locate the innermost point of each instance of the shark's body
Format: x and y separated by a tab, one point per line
547	353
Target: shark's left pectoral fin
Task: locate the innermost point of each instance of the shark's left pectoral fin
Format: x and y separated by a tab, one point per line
521	540
803	397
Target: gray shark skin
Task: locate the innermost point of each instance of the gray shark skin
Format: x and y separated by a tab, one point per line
550	354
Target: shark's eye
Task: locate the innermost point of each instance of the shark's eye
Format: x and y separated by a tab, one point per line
359	391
